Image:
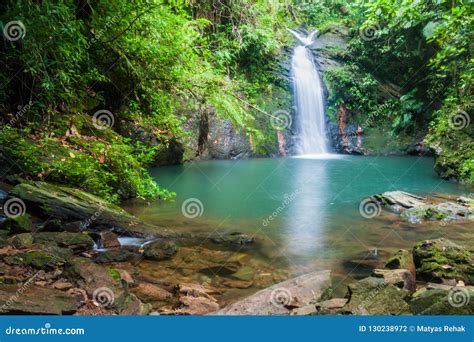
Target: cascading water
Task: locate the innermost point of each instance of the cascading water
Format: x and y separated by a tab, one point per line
309	100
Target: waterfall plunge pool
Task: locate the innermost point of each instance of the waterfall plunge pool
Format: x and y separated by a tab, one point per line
304	211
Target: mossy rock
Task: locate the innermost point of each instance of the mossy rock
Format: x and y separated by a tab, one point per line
245	273
115	256
417	215
36	300
235	239
160	250
75	241
21	240
68	203
374	296
441	259
424	298
457	301
130	305
403	259
3	237
65	203
98	281
48	258
102	284
19	224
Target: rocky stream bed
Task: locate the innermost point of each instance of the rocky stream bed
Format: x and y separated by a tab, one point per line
65	252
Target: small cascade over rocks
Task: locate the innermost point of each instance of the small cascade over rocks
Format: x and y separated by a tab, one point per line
309	99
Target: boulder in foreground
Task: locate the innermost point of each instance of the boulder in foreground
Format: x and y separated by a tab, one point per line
416	209
374	296
441	260
35	300
71	204
283	298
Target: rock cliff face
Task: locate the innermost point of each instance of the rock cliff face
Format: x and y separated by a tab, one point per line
342	134
346	134
211	137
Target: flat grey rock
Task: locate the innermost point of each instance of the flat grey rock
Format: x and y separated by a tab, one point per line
282	298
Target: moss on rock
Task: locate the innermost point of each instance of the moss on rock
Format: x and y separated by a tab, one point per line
19	224
441	259
75	241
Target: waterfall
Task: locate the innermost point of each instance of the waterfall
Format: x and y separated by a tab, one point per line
309	100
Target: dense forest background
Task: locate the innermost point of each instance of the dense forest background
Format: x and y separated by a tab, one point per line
94	92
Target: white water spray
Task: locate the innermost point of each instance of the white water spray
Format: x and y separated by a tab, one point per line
309	100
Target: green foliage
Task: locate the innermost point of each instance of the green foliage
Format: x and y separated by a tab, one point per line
113	272
354	88
424	47
409	66
112	169
323	13
157	65
144	61
451	134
